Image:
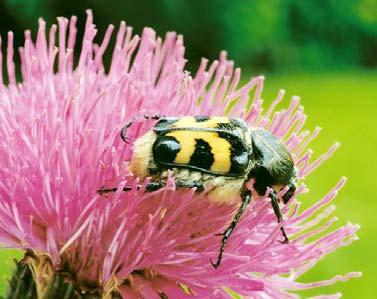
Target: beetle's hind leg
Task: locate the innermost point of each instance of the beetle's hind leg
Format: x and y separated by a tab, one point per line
123	132
246	198
276	208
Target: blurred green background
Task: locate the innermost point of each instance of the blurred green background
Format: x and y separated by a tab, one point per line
325	51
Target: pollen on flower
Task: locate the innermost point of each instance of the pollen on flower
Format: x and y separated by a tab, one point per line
60	143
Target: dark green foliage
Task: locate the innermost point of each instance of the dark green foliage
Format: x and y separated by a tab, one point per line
264	35
22	286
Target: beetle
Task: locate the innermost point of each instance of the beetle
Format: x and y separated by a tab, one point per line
217	153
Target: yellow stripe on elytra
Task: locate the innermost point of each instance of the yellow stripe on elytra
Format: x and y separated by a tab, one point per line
220	148
191	122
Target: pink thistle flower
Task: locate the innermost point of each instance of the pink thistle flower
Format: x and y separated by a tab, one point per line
60	143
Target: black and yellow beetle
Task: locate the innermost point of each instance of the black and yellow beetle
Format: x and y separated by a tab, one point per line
219	153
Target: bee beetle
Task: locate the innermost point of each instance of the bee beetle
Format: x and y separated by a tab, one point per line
219	153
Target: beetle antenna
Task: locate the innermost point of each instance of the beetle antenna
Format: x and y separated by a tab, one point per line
123	132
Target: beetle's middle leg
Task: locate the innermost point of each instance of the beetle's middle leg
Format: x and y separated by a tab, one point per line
261	189
246	198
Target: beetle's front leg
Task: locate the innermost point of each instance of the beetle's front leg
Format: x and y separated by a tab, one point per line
279	216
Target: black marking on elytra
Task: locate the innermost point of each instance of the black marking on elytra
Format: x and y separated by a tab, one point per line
229	127
202	156
203	159
165	149
239	150
201	118
164	123
239	123
239	155
232	125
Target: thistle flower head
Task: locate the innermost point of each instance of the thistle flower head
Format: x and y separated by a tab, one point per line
60	143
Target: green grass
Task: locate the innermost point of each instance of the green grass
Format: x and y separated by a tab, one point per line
345	106
7	266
